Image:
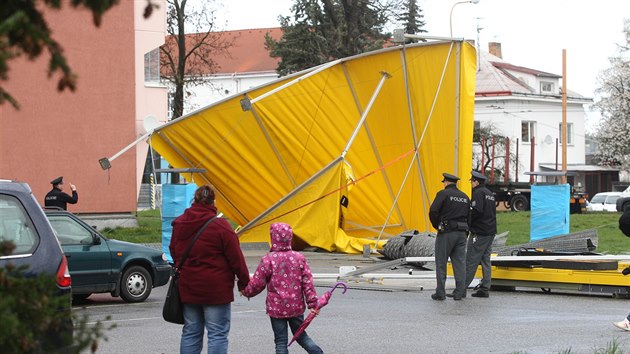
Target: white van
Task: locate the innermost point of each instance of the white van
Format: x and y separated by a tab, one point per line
604	201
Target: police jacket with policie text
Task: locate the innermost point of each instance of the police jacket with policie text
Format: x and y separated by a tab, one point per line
450	205
57	198
483	212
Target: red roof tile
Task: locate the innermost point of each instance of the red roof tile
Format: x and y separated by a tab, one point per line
249	53
246	55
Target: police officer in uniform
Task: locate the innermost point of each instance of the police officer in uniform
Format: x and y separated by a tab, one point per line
57	198
483	228
449	215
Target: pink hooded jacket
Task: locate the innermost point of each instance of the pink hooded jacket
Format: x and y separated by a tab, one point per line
286	275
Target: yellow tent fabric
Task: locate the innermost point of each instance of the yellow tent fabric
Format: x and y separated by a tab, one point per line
348	153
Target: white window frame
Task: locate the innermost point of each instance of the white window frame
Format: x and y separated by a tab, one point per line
569	133
531	130
544	84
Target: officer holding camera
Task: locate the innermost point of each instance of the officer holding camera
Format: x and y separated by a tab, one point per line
449	215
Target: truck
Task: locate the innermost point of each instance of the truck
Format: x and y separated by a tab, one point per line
516	196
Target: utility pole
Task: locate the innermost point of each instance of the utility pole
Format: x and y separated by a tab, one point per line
564	116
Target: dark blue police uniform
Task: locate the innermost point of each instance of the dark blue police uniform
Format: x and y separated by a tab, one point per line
449	215
483	228
57	198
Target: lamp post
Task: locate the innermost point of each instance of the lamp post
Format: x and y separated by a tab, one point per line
455	4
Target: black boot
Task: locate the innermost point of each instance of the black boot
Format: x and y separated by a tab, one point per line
481	293
437	297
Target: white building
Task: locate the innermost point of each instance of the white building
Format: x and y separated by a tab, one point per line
525	105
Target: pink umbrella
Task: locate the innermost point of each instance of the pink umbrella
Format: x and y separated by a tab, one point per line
321	302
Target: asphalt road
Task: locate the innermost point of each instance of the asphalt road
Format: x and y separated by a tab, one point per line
389	317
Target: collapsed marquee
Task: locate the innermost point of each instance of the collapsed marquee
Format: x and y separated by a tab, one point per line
350	153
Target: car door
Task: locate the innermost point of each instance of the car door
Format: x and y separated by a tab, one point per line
88	255
611	203
597	202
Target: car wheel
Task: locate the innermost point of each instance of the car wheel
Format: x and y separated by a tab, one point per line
136	284
519	203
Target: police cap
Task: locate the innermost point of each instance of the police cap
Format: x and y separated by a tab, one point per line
478	176
57	180
450	178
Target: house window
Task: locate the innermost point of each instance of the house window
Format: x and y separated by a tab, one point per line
569	133
477	132
528	131
546	87
152	66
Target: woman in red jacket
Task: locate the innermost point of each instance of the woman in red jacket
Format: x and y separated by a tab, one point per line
206	283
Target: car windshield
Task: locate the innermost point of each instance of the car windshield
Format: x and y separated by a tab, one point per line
598	198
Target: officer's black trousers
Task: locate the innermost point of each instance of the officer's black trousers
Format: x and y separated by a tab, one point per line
450	244
478	251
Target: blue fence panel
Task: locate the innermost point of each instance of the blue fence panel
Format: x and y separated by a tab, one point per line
175	199
550	211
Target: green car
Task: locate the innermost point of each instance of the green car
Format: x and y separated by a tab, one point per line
100	265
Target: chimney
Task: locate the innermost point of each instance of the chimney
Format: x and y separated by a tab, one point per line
495	49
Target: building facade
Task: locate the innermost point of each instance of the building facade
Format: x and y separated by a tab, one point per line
66	133
525	106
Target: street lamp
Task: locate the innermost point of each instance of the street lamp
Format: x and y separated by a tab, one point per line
455	4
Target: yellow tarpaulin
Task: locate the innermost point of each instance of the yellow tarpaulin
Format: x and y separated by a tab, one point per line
347	153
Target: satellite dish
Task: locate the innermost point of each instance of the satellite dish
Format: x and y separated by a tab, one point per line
150	123
548	140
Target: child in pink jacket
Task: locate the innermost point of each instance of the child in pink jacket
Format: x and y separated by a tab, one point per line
289	283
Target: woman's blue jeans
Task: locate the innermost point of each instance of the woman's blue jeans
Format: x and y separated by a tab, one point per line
280	332
215	319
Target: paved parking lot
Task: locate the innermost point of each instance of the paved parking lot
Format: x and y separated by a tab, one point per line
392	316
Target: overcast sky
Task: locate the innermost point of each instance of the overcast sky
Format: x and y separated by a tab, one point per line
532	33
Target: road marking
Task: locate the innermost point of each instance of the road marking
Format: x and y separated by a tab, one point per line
248	311
126	320
126	304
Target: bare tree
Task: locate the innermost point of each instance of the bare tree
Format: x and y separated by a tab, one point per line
188	55
492	151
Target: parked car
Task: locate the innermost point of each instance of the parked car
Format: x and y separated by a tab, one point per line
100	265
23	223
604	201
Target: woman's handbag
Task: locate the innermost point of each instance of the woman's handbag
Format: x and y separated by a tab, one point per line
173	310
